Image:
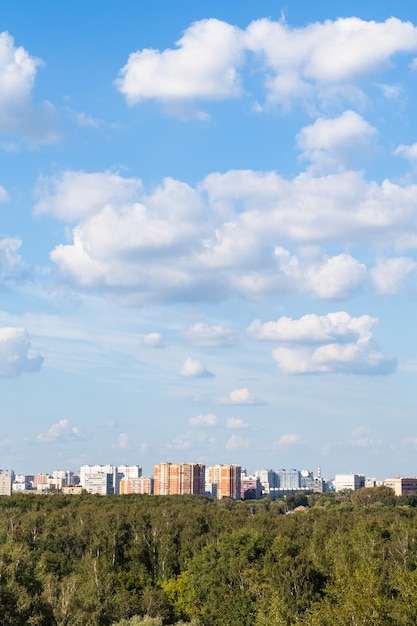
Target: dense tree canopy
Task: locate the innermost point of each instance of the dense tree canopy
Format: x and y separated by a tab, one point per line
148	561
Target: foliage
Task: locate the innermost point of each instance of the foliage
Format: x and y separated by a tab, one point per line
349	558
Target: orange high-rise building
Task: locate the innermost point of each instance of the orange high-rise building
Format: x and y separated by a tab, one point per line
226	480
179	478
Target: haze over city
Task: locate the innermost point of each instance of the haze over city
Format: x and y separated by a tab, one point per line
208	235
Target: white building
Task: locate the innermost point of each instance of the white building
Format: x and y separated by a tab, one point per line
349	481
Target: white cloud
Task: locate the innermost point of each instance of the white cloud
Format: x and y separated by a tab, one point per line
61	431
235	422
203	335
240	233
302	61
235	442
152	340
205	421
18	114
4	196
75	195
14	349
289	439
329	142
314	63
240	396
407	151
336	277
312	329
350	347
11	265
195	369
389	275
123	441
202	67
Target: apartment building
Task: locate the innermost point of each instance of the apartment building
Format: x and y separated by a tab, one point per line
179	478
224	481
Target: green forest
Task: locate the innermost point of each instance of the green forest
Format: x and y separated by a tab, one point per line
346	559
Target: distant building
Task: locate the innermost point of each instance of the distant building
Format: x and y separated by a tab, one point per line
139	485
250	488
99	482
6	482
402	486
179	479
268	479
224	481
349	481
289	480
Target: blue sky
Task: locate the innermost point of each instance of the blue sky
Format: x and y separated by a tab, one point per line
208	234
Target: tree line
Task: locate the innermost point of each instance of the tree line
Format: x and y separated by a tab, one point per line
346	559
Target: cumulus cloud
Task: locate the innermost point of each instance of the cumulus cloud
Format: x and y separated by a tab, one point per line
340	343
311	64
194	369
152	340
14	350
240	396
19	115
203	66
336	277
302	62
206	336
61	431
235	422
329	142
206	421
239	233
74	195
389	275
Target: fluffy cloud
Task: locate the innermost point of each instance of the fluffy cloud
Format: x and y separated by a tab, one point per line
239	233
61	431
75	195
312	329
389	275
235	422
18	114
195	369
206	421
337	277
206	336
240	396
339	343
202	66
309	63
407	151
152	340
14	349
329	141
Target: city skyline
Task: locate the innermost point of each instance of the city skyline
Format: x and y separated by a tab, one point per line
208	234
